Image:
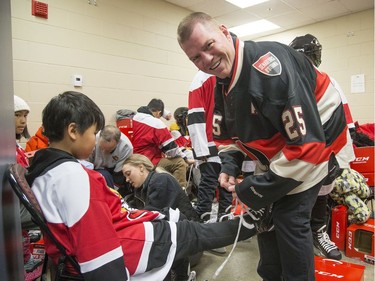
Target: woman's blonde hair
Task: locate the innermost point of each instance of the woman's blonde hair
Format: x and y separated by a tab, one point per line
139	159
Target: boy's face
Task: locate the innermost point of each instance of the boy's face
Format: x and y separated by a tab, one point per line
211	50
84	143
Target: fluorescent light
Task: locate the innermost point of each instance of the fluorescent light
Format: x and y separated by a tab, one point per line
245	3
253	28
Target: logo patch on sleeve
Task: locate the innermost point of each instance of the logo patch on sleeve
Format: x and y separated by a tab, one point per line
268	64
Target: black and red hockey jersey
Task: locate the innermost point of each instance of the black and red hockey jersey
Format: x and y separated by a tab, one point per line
284	113
109	241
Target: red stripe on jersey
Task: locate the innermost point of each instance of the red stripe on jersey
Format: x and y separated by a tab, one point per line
224	142
235	64
269	147
348	115
201	95
307	152
322	82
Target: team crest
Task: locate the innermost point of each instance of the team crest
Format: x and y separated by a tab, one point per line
268	64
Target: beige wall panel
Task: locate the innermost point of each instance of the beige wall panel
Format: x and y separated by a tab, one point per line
127	53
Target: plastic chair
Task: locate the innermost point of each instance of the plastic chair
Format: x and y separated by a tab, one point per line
16	177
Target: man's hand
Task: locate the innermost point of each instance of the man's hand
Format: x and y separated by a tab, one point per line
227	181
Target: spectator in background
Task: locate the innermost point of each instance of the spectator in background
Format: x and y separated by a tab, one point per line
152	138
180	131
37	141
167	114
21	111
111	149
310	46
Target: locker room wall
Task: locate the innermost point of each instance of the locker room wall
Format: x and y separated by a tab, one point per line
127	53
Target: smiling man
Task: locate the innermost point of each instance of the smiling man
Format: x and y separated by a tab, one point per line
286	115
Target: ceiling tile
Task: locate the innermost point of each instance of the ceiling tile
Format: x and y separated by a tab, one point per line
288	14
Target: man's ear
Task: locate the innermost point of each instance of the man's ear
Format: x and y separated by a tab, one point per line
72	131
224	29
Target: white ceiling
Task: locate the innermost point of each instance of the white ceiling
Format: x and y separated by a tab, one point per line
288	14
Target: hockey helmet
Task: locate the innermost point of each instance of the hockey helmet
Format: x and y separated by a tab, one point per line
310	46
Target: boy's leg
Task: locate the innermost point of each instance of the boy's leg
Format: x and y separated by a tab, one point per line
180	270
194	237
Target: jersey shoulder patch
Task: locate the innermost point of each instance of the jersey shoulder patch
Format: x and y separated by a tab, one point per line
268	64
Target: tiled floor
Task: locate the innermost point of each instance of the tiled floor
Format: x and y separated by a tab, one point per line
243	262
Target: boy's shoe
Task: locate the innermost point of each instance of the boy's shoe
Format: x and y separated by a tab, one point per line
261	219
323	245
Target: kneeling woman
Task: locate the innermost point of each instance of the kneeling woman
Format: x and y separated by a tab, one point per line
155	188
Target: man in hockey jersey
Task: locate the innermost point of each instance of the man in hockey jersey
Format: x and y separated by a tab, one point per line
310	46
286	115
109	240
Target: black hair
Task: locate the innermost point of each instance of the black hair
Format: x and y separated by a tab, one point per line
24	134
70	107
180	115
156	105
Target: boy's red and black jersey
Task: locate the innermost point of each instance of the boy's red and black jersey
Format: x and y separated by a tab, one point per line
93	223
283	112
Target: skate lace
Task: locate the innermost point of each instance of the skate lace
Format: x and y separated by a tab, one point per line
211	219
243	209
325	242
255	215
